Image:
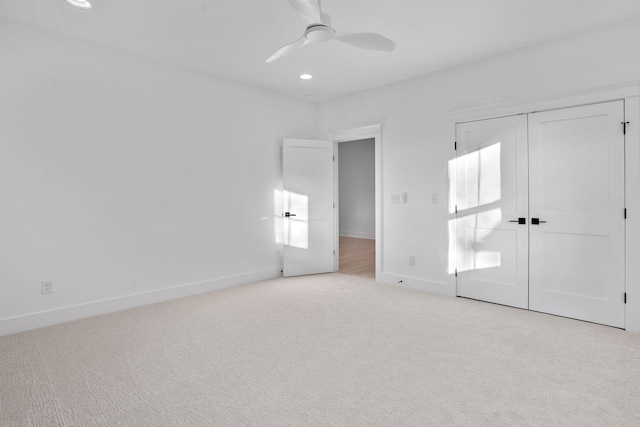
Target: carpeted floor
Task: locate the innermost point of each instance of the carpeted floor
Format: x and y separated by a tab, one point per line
321	350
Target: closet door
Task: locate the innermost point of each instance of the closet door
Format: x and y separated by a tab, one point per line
491	196
577	194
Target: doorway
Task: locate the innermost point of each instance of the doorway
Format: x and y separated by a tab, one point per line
356	207
311	239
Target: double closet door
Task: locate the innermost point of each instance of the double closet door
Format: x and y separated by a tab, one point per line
540	212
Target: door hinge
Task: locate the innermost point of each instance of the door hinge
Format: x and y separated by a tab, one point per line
334	252
456	209
455	145
625	297
625	213
334	206
456	272
334	158
624	127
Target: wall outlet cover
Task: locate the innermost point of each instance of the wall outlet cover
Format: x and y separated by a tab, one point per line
46	286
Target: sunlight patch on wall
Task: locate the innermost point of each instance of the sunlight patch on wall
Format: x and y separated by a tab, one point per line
277	216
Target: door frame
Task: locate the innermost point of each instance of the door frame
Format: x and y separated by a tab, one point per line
368	132
628	92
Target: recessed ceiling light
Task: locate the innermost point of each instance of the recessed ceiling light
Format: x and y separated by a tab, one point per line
306	76
82	4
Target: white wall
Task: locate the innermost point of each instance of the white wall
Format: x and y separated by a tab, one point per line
120	176
417	139
356	177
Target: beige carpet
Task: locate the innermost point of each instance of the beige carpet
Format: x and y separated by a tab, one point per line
321	350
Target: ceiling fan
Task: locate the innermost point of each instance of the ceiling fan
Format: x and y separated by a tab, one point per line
319	30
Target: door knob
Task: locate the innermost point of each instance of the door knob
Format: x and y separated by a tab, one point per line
519	220
537	221
287	214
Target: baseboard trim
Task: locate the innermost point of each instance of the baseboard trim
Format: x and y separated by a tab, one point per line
66	314
418	284
358	234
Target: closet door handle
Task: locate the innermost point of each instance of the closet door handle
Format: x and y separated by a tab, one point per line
537	221
519	220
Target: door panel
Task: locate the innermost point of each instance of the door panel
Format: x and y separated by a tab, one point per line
308	198
577	187
491	191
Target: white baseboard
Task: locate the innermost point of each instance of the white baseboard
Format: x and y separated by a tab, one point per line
358	234
418	284
65	314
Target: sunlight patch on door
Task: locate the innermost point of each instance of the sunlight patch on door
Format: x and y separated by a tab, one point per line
475	249
478	180
475	187
296	226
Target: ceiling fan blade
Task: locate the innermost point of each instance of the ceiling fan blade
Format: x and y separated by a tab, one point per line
286	50
309	10
371	41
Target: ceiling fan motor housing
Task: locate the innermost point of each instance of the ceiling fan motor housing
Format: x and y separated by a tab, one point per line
318	33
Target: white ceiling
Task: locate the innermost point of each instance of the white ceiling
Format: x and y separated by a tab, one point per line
232	38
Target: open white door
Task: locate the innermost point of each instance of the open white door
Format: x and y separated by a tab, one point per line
309	246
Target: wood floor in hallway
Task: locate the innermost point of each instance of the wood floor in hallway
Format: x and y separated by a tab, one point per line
358	256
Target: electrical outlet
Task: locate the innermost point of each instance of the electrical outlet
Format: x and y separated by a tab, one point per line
405	197
412	260
47	286
395	199
278	253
